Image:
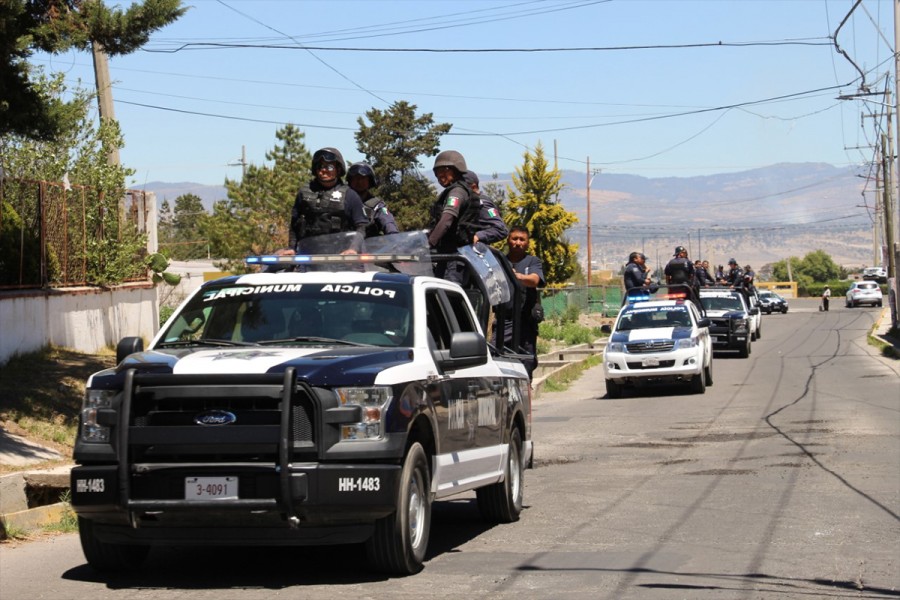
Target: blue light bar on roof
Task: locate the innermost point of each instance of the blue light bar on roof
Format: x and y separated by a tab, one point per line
270	259
640	296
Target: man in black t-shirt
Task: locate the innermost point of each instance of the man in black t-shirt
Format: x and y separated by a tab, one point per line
530	273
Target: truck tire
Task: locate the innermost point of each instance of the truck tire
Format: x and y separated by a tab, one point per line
107	557
698	383
501	502
707	372
759	330
745	350
400	539
613	389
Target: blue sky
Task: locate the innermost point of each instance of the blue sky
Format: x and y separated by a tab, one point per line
653	111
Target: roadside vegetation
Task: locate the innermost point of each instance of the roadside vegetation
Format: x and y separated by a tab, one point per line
42	393
565	330
887	350
560	382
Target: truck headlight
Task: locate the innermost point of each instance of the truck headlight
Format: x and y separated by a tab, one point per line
615	347
91	430
740	325
373	401
686	343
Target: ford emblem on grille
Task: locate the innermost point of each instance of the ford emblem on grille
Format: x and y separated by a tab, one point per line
215	417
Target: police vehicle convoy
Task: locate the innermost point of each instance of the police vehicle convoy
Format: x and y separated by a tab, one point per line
307	408
659	338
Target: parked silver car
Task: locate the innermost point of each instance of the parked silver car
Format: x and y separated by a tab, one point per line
864	292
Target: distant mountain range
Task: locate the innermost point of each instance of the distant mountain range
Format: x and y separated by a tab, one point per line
757	216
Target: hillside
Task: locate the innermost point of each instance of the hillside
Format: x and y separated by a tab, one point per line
757	216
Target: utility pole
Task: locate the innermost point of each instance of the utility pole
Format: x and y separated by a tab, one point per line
242	163
887	203
589	180
104	93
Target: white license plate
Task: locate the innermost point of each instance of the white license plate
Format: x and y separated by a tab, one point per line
210	488
651	362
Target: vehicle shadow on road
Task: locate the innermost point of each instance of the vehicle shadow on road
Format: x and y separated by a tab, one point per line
216	568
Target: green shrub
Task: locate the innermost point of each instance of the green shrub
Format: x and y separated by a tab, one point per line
164	313
567	331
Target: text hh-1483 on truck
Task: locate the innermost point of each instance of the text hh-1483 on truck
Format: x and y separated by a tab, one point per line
307	408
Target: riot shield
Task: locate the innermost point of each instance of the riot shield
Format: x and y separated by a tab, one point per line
489	270
413	243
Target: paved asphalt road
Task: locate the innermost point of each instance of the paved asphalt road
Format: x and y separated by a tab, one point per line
782	481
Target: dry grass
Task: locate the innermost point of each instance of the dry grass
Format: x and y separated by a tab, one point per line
41	394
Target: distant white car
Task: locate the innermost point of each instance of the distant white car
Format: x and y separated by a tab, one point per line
658	342
878	274
864	292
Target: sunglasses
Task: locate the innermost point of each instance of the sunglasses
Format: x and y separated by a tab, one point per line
327	167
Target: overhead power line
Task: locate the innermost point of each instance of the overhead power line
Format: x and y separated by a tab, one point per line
233	45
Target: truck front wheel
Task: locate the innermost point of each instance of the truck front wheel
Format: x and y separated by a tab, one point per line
107	557
400	539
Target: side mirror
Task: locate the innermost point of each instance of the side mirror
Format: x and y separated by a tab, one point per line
467	349
128	345
754	311
704	322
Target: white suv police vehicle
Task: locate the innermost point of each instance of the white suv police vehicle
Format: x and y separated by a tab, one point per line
661	339
306	408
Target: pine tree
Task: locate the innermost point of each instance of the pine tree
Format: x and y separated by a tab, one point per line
256	216
532	204
393	143
56	26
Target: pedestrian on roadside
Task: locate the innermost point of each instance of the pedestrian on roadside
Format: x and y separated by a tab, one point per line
826	294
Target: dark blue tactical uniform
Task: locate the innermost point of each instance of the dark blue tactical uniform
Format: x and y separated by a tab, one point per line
362	179
680	269
735	277
634	276
702	276
320	210
489	228
381	221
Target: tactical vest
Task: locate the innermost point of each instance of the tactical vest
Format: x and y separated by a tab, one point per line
324	211
679	270
468	220
370	207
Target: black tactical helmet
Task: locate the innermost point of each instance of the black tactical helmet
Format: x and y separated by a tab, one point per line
470	178
364	169
731	261
451	158
329	155
679	250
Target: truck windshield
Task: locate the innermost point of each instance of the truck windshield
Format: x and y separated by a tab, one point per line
369	313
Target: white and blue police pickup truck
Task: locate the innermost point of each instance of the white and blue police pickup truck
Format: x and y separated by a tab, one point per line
306	408
660	338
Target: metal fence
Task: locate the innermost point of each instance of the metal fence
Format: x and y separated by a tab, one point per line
603	300
48	228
